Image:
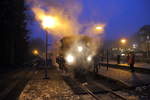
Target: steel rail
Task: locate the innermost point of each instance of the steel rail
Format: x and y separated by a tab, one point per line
83	87
110	91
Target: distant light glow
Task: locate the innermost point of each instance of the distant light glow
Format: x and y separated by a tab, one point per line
123	41
70	58
134	46
35	52
80	48
122	54
89	58
98	29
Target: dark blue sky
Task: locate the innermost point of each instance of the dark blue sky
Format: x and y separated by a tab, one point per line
122	17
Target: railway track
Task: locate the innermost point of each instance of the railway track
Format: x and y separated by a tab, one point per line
91	87
106	89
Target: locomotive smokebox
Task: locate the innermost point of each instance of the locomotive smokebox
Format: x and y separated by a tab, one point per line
78	50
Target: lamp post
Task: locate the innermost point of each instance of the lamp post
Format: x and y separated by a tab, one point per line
123	41
47	23
46	46
148	47
107	57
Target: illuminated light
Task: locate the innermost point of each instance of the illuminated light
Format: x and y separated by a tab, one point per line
122	54
49	22
99	28
134	46
70	59
35	52
54	21
123	41
80	48
89	58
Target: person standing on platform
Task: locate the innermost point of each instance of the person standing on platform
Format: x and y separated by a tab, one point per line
118	59
127	60
96	64
132	61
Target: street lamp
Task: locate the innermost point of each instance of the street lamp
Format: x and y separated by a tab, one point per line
98	28
47	23
123	41
35	52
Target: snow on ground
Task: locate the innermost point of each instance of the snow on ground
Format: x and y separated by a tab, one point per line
53	89
56	89
47	90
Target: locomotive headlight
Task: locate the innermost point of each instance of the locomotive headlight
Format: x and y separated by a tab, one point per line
80	48
89	58
70	58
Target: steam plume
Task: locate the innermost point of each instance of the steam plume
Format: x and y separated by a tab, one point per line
66	12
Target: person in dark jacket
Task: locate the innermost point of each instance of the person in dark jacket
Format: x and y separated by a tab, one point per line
118	59
132	61
61	61
96	64
128	56
49	62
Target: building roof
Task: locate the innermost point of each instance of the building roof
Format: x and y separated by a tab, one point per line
145	29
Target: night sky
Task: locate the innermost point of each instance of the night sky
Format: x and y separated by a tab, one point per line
122	17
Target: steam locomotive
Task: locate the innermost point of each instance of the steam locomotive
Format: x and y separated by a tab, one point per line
78	53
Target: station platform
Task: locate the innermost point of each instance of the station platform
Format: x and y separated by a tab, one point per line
137	64
139	67
131	79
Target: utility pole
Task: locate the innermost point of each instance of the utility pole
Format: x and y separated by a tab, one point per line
148	43
107	58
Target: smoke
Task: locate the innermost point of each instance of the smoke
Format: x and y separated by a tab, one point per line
64	23
64	12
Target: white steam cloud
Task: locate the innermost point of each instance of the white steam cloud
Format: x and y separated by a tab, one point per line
65	11
64	23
